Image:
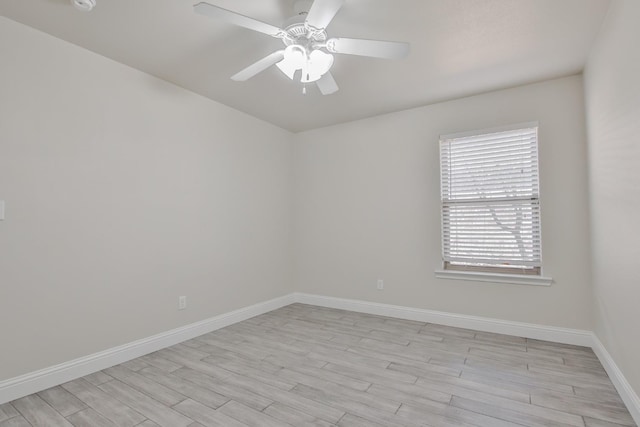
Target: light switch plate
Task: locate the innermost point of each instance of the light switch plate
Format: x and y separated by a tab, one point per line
1	210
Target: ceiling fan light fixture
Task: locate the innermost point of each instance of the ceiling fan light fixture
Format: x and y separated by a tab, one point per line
319	63
313	65
307	46
84	5
295	58
287	68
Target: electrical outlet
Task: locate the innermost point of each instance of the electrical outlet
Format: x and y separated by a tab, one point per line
182	303
380	284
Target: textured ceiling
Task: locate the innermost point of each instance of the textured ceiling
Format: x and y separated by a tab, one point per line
458	48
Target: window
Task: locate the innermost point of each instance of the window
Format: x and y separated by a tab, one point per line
490	201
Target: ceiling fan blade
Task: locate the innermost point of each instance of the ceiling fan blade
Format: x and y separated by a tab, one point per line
327	84
322	12
374	48
258	67
212	11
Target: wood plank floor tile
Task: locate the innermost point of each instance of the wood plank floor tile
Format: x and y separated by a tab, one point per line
447	331
103	403
599	395
18	421
7	411
293	416
258	374
473	371
356	408
364	373
250	416
450	384
509	355
38	412
62	401
89	418
422	386
190	390
159	392
591	422
417	368
499	338
584	406
303	365
259	395
388	405
405	395
523	409
505	414
329	376
449	415
135	364
205	415
150	408
232	391
352	421
160	363
97	378
404	352
346	358
508	386
292	360
219	356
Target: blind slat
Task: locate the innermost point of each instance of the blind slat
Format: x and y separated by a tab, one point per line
512	151
494	136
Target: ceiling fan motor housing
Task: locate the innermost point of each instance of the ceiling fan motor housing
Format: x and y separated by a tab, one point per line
297	29
300	34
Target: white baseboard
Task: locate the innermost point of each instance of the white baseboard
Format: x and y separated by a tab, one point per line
43	379
628	395
485	324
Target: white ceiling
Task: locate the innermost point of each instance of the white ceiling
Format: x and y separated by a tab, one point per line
458	48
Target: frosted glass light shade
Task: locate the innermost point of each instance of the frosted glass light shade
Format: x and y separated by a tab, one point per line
317	65
313	65
294	60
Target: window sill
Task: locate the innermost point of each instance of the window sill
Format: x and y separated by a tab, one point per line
476	276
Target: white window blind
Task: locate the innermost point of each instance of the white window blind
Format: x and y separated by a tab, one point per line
490	202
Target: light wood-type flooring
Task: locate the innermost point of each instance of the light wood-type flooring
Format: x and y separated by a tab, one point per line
309	366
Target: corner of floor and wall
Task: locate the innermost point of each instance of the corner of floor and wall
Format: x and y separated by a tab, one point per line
124	195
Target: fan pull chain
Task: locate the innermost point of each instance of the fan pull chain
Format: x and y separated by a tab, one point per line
304	89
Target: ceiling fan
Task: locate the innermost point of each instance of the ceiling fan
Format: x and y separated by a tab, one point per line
307	55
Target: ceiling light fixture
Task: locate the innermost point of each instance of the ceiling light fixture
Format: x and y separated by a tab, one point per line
312	65
84	5
308	53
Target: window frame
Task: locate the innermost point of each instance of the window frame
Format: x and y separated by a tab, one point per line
497	274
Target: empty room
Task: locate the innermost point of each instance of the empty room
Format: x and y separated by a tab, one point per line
319	213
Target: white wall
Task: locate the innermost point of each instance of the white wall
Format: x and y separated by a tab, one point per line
122	193
613	110
367	206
